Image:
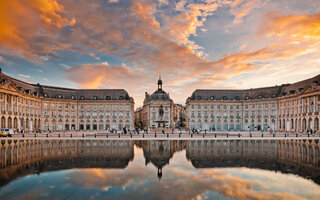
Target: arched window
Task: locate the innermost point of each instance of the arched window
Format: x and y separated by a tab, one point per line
95	98
212	98
108	97
121	98
82	98
224	98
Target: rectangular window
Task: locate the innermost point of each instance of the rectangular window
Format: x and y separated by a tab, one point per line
88	113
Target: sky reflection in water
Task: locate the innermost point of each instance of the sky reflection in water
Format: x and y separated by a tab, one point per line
177	180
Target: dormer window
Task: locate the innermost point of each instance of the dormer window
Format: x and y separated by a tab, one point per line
224	98
95	98
27	91
274	95
284	93
212	98
45	95
237	98
82	98
59	96
247	97
292	91
199	98
108	98
73	97
260	96
121	98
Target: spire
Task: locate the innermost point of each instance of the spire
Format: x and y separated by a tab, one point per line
159	83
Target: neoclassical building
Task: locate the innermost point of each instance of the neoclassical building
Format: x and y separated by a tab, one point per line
157	110
37	107
290	107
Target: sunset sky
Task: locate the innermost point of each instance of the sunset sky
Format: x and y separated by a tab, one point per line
126	44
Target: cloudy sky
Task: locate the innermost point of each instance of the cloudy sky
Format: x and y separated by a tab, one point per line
128	43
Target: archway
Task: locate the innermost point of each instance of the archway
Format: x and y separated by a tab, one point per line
9	122
27	124
15	123
280	124
304	124
3	122
316	124
310	123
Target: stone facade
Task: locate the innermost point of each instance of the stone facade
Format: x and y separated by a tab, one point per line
149	115
31	107
291	107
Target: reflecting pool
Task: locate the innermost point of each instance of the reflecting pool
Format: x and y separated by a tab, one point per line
126	169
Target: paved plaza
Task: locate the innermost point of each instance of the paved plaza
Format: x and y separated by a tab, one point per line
159	135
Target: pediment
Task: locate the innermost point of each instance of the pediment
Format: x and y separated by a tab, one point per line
310	89
11	87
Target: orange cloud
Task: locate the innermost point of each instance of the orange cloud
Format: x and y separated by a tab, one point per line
21	20
242	8
295	27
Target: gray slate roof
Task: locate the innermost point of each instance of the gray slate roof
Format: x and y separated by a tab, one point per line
66	93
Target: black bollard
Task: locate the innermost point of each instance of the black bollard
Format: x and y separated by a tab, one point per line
47	135
250	135
167	134
191	134
261	134
22	135
59	135
119	135
274	135
83	135
71	135
285	135
155	134
107	135
203	135
308	134
179	134
297	135
227	134
95	135
143	135
215	135
238	134
130	135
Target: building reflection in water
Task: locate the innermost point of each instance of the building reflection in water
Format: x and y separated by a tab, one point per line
23	157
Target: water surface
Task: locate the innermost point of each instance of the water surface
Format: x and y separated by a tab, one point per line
104	169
